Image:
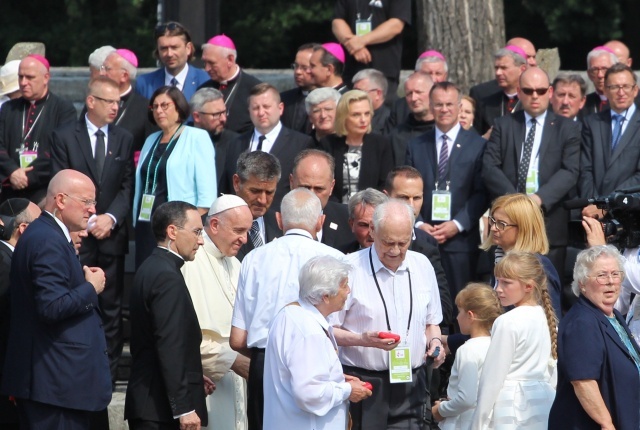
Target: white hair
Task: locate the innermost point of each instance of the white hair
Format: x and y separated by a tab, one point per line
223	51
322	276
300	208
97	57
595	53
587	258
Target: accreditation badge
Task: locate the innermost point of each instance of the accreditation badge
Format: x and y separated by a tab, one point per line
146	207
27	157
400	365
440	205
363	26
532	181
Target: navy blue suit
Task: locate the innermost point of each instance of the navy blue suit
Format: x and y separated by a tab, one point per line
149	82
589	348
468	198
56	354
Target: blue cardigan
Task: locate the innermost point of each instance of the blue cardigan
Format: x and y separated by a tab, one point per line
191	169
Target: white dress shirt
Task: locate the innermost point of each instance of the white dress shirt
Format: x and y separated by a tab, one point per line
269	280
304	386
364	310
270	140
92	129
180	77
452	135
533	161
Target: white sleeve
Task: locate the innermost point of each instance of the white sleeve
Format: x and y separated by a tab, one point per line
468	378
631	280
238	316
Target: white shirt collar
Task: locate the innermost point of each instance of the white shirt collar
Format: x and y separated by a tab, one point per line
451	134
298	232
627	113
11	247
270	138
539	119
64	228
92	128
377	264
180	77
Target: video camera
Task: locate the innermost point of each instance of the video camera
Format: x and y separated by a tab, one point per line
621	224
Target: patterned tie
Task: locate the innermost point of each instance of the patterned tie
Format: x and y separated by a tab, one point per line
174	82
617	130
443	160
100	153
523	169
254	234
260	140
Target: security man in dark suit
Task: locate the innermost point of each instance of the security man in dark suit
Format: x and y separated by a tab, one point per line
103	152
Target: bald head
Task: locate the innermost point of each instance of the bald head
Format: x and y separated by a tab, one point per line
534	91
33	79
621	50
71	198
527	47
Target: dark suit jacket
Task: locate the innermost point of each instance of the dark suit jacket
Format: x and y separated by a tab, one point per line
149	82
8	411
57	112
336	232
490	108
377	161
591	105
56	342
71	149
484	89
403	133
559	161
468	195
221	144
236	97
166	372
272	231
295	114
602	172
380	119
288	144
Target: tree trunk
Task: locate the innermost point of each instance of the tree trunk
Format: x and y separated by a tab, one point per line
466	32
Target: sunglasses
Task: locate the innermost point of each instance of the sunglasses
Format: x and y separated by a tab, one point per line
539	91
173	28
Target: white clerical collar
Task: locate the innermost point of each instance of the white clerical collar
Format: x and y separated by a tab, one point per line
64	228
226	81
171	251
127	91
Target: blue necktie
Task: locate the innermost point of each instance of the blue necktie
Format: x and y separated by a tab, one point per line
617	130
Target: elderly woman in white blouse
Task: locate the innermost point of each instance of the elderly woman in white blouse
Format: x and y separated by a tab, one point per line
304	387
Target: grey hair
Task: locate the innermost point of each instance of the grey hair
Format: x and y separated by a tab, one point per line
97	57
202	97
261	165
570	78
595	53
300	208
383	210
518	60
376	77
368	197
322	276
586	260
131	70
320	95
223	51
430	59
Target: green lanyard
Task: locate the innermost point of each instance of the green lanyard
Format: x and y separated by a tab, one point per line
155	172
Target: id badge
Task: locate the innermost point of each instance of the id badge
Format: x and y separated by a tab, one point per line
146	207
27	157
400	365
363	27
441	205
532	181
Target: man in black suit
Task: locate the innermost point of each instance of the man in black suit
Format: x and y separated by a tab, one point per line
25	125
610	157
599	60
56	364
210	113
103	152
450	161
268	135
166	385
295	115
538	153
21	212
255	182
313	169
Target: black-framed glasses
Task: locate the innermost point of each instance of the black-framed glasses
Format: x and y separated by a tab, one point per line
499	225
88	203
163	106
603	278
107	101
538	91
215	115
197	231
627	88
296	66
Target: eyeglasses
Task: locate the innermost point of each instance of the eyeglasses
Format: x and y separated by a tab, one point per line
296	66
107	101
597	70
627	88
440	106
197	231
538	91
86	202
162	106
499	225
215	115
603	278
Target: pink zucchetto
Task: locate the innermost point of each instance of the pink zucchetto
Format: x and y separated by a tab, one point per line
432	53
40	59
517	50
335	49
604	48
222	40
128	55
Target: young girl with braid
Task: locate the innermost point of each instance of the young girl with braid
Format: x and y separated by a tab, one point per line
515	390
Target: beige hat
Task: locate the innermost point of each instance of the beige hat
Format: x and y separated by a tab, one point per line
226	202
9	77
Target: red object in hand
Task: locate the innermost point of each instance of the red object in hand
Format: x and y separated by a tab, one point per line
389	335
368	386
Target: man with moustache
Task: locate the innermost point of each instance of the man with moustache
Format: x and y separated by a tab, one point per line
294	115
568	96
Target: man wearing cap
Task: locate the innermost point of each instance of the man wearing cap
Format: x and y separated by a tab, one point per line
23	212
373	82
599	60
372	34
25	126
103	152
327	65
212	280
174	49
294	115
121	67
220	57
9	88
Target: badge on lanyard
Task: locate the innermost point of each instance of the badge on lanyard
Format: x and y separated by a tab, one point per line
532	181
441	205
363	26
146	207
27	157
400	365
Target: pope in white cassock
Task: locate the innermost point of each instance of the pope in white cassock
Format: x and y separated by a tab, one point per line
212	280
